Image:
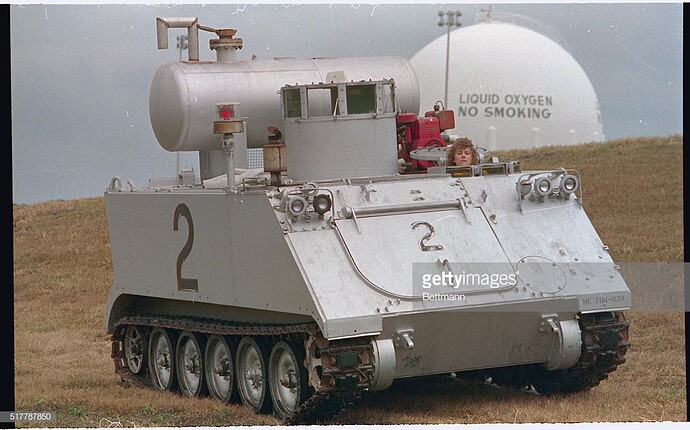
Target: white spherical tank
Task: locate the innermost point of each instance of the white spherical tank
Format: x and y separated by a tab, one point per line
510	88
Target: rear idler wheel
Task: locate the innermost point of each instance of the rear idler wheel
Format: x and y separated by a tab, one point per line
287	378
162	359
136	349
190	364
252	374
219	365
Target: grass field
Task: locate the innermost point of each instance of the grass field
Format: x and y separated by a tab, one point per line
63	271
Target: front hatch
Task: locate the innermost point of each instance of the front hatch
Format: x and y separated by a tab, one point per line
402	255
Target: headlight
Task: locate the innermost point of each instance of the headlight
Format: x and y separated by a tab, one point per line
569	184
322	204
542	187
297	205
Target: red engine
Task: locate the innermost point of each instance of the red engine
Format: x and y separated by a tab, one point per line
415	133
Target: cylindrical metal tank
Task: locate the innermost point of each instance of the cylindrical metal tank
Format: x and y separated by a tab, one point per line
183	94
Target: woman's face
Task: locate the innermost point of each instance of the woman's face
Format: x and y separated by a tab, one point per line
463	156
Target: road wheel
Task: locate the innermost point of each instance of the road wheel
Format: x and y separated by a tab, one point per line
287	378
190	364
162	359
252	374
219	366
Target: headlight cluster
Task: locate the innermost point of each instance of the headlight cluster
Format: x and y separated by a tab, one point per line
298	202
557	184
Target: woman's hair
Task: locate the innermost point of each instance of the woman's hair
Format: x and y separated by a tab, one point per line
461	143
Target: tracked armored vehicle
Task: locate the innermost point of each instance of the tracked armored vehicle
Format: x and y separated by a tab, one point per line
354	256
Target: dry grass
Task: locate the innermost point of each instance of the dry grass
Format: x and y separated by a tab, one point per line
62	275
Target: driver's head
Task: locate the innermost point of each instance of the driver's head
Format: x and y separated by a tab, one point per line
462	153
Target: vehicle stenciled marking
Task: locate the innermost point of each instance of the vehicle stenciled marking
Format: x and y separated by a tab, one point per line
185	284
423	240
602	300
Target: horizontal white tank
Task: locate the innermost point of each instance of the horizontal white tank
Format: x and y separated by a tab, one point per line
183	94
510	88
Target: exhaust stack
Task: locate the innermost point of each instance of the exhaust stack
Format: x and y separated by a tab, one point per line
226	45
162	25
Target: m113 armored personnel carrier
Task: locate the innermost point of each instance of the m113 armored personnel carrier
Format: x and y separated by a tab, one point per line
297	286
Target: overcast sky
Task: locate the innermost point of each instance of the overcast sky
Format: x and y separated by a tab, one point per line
81	73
